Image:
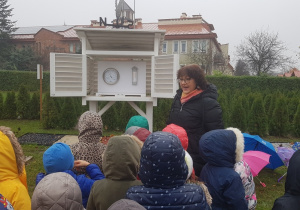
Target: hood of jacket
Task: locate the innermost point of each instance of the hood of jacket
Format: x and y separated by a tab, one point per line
57	191
163	161
58	158
126	204
139	121
180	132
292	183
222	147
121	158
90	127
12	158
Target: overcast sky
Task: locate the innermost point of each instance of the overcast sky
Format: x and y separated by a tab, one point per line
233	20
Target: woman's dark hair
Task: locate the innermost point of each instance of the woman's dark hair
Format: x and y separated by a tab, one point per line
195	72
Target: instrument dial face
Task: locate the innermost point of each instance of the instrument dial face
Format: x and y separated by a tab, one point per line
111	76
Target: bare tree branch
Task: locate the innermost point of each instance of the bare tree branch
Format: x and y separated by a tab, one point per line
263	53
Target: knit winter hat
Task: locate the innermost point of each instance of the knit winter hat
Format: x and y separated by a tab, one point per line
58	158
126	204
142	134
5	204
131	130
180	132
138	120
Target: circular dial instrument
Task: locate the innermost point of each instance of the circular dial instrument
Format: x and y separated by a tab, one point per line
111	76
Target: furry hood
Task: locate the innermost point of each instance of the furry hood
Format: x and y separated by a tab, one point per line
14	155
222	147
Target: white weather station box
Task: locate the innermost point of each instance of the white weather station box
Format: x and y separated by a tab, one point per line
121	78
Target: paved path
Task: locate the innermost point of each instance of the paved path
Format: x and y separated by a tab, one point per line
69	139
72	139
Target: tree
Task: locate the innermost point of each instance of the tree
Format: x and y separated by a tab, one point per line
241	68
6	29
264	53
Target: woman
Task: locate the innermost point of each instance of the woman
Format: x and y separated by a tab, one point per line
196	109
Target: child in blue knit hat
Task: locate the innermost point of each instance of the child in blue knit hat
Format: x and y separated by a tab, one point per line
59	158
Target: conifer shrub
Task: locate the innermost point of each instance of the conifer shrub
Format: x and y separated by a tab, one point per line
296	122
10	107
1	105
238	114
23	103
223	101
68	116
34	106
161	113
280	120
258	123
50	115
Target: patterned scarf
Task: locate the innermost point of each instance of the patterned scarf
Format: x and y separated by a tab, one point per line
185	97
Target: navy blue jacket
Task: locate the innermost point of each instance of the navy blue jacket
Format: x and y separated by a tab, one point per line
163	172
218	149
200	114
84	182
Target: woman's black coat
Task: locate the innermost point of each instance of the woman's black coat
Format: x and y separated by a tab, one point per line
200	114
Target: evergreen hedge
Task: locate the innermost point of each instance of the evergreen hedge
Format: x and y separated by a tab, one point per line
248	103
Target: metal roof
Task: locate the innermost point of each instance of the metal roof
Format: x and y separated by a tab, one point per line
120	39
35	29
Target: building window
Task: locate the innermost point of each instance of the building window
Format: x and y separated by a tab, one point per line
164	47
78	48
183	46
71	48
195	46
203	46
175	46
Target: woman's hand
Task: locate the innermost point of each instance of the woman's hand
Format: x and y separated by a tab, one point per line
80	163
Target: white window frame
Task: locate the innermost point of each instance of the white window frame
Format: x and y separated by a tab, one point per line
164	47
183	46
175	51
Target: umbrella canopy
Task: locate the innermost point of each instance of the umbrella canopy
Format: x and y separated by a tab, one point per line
256	160
285	154
296	146
254	142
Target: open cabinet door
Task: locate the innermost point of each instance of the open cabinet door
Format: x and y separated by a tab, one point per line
68	74
163	72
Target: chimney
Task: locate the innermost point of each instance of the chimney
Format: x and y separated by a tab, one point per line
183	15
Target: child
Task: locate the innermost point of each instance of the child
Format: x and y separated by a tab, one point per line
139	121
57	191
121	161
291	198
5	204
59	158
221	149
163	172
13	180
89	147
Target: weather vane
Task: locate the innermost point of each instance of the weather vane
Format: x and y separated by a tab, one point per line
120	19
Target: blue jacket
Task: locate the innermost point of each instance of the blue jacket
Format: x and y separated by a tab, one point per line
163	172
221	149
84	182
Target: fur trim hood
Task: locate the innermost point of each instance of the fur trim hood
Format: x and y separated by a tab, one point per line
222	147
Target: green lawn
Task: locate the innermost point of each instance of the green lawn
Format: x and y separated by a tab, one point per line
265	195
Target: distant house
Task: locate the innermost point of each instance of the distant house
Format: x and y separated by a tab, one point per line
190	37
46	39
294	72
